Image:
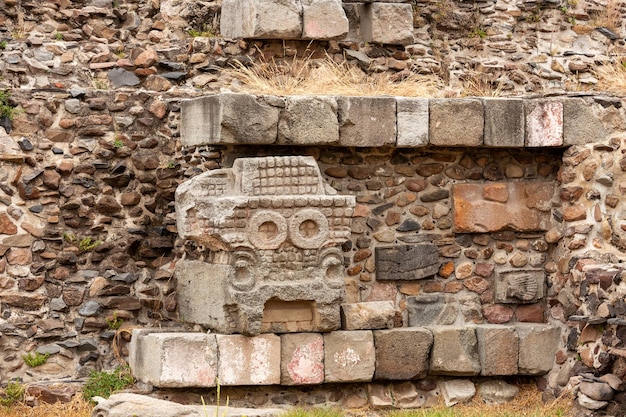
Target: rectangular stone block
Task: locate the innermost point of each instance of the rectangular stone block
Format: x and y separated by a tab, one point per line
402	354
229	118
432	310
519	286
481	208
387	23
249	360
302	359
368	315
323	19
406	262
354	21
504	122
412	114
308	120
456	122
581	122
498	347
544	123
261	19
367	121
174	360
454	352
349	356
537	348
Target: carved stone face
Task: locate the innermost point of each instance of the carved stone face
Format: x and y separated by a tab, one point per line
519	286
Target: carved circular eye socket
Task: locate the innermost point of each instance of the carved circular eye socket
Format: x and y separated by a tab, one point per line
243	276
267	229
308	229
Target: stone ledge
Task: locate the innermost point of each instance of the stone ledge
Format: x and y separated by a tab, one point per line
246	119
176	360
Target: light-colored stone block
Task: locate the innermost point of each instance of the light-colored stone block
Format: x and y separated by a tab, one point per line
349	356
454	352
481	208
456	122
402	354
302	359
323	19
580	124
368	315
504	122
544	123
174	360
230	118
432	310
498	347
412	114
249	360
367	121
538	344
261	19
456	391
308	120
387	23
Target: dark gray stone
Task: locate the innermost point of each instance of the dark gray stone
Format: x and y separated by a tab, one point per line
406	262
119	77
504	122
90	308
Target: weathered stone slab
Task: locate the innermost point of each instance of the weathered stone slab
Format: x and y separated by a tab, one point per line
412	114
402	354
544	123
367	121
389	23
127	404
520	286
323	19
498	347
175	360
354	21
481	208
432	310
309	120
537	348
249	360
504	122
456	391
349	356
229	118
458	122
580	124
368	315
406	262
302	359
454	352
497	392
261	19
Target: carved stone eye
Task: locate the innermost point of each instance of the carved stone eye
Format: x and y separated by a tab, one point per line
243	276
267	229
308	229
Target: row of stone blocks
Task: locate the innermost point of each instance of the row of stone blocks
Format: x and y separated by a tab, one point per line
237	118
179	359
387	22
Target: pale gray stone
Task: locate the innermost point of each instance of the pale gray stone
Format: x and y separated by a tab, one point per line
323	19
126	404
349	356
387	23
309	120
454	352
497	392
589	403
249	360
229	118
538	344
580	124
498	347
456	122
261	19
412	116
368	315
367	121
402	354
431	310
456	391
599	391
504	122
174	360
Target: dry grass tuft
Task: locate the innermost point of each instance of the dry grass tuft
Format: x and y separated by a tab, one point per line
610	16
302	76
612	77
78	407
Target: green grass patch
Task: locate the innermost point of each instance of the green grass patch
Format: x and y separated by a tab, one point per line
105	383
